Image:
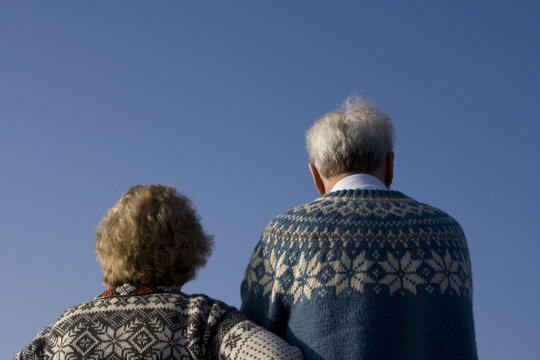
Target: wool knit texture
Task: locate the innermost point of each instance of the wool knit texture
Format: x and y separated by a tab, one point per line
364	274
146	322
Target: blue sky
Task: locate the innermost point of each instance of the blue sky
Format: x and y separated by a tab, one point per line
215	97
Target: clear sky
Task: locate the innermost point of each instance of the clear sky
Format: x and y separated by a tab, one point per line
214	97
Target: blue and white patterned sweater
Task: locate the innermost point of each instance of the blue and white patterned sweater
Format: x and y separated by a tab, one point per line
364	274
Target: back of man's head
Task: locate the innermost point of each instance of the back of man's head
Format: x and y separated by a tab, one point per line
354	139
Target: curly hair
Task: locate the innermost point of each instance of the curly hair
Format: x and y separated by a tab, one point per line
356	138
152	235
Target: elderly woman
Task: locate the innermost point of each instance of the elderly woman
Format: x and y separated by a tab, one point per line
150	244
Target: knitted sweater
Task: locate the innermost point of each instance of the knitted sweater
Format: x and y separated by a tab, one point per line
364	274
146	322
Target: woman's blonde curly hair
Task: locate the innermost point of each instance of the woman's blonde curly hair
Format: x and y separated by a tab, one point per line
152	235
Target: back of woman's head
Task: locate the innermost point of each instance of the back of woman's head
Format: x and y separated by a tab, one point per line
152	235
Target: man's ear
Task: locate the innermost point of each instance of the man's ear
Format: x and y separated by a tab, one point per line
317	179
389	170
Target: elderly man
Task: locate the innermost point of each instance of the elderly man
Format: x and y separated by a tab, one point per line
364	272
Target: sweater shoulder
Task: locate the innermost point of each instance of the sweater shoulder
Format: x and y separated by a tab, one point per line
378	202
348	211
163	302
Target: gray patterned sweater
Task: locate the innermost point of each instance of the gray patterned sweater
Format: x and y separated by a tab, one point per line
364	274
146	322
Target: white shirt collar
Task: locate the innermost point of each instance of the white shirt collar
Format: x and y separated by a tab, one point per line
360	182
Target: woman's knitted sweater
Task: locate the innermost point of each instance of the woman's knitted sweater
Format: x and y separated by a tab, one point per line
364	274
146	322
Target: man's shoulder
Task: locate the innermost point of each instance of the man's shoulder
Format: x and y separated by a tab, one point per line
300	213
363	203
358	211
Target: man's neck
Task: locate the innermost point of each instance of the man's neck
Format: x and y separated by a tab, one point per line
329	184
359	181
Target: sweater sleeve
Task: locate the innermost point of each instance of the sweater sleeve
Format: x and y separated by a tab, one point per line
248	341
37	349
261	300
236	337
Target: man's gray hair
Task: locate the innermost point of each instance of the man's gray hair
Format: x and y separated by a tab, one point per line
357	138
